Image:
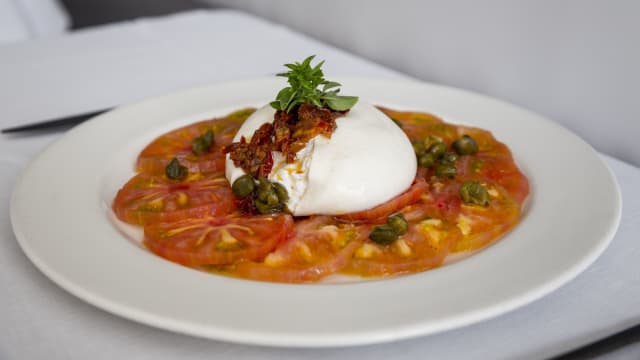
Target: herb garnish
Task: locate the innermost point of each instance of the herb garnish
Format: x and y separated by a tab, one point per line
304	81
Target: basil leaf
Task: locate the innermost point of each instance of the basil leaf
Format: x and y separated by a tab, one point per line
341	103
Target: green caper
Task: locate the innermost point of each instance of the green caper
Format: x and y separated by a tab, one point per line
243	186
264	186
449	158
438	149
383	234
426	160
202	143
208	137
418	147
430	140
281	192
466	145
270	197
175	171
198	146
473	193
446	170
264	208
398	223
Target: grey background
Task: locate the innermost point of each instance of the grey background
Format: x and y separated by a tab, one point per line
574	61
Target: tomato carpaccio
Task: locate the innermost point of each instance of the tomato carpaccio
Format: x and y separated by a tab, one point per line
195	221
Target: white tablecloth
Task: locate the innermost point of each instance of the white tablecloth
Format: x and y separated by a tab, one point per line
118	64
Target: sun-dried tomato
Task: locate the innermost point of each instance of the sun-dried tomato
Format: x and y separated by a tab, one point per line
288	134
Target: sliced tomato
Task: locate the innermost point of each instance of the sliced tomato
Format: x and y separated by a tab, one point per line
423	247
487	143
481	226
218	241
493	162
177	143
382	211
418	126
320	246
499	169
478	225
149	198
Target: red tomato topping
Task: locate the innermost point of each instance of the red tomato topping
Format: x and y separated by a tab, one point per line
218	241
150	198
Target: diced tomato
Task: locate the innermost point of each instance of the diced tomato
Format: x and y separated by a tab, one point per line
383	210
218	241
149	198
177	143
320	246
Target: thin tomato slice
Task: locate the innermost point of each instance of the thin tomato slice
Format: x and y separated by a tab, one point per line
383	210
499	169
493	162
481	226
320	246
177	143
423	247
218	241
149	199
478	225
418	126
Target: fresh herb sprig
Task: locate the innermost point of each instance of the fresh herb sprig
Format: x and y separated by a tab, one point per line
304	81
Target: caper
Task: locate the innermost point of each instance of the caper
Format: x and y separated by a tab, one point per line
264	185
473	193
264	208
438	149
418	147
243	186
449	158
383	234
398	223
202	143
281	192
466	145
446	170
198	146
175	171
270	197
426	160
430	140
208	137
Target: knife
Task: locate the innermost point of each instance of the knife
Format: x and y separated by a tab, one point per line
54	123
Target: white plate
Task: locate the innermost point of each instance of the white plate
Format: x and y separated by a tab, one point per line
60	213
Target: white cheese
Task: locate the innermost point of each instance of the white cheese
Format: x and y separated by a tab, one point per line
367	161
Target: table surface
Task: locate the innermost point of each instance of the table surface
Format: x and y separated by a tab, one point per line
122	63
